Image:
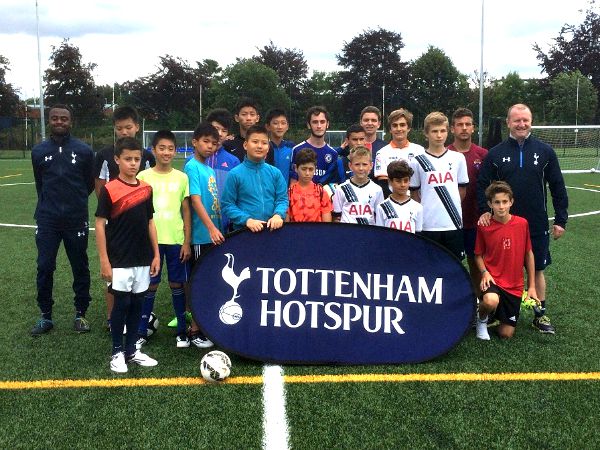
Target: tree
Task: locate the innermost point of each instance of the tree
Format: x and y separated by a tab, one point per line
172	93
505	92
9	98
372	61
575	48
563	105
69	80
322	89
289	64
249	78
436	84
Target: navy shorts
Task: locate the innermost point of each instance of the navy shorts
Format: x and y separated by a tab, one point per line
508	308
179	272
452	240
541	251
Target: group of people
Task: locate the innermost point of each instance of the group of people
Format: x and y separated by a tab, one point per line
459	196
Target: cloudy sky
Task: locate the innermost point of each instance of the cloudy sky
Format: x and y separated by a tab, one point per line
125	38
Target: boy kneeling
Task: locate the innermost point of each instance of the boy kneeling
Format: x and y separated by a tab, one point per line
501	250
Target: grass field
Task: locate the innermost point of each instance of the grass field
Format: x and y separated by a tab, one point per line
535	391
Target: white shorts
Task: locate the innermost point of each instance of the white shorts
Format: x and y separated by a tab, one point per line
130	279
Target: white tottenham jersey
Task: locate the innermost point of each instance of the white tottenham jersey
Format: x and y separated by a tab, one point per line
438	178
405	216
357	204
387	154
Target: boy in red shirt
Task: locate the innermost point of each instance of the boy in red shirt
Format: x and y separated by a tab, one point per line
308	201
501	250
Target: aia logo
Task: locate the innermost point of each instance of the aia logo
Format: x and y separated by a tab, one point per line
506	243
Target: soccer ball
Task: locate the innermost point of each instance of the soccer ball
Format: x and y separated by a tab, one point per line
152	324
215	366
230	313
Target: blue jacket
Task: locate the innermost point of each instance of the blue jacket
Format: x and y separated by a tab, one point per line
254	191
529	170
64	178
281	157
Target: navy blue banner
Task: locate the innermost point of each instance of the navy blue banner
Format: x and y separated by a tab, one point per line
317	293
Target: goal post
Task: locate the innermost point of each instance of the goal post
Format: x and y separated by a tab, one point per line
183	141
577	146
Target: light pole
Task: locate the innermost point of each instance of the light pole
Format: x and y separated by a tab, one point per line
480	131
42	115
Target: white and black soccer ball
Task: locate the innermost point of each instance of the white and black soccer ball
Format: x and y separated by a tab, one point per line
152	324
215	366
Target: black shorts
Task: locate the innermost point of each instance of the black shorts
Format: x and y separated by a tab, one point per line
541	251
508	308
469	235
198	251
452	240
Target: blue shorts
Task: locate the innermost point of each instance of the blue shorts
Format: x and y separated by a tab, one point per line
179	272
541	251
469	236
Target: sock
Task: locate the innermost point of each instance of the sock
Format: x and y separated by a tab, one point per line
47	315
179	307
484	319
133	322
119	312
147	307
79	314
543	308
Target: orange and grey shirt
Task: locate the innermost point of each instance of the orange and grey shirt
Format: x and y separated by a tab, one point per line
127	209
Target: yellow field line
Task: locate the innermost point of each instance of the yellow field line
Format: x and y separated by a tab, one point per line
10	176
348	378
592	185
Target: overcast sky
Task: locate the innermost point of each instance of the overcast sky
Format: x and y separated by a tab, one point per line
124	38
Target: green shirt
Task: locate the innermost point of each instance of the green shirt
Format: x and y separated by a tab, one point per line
168	191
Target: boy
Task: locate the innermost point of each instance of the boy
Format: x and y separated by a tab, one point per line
63	171
399	211
221	161
255	193
206	210
173	227
280	150
126	123
439	183
462	129
355	136
308	200
356	199
246	115
370	120
317	121
399	125
501	250
128	250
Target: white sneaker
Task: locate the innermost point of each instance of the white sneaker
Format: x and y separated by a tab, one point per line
202	342
481	329
142	359
182	341
117	363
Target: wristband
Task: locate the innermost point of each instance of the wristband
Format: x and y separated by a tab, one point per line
483	271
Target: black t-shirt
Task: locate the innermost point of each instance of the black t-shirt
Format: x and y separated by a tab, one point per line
128	208
235	146
105	167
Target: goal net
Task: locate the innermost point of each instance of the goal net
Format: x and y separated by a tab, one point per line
183	140
577	147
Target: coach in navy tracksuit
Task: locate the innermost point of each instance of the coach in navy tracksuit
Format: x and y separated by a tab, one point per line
530	166
63	170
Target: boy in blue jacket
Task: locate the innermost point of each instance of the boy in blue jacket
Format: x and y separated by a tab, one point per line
255	193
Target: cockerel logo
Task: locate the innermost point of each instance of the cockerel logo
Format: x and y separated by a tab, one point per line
231	311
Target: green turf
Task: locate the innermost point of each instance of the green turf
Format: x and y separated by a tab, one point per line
347	415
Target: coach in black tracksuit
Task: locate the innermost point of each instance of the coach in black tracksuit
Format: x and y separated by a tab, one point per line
530	167
63	170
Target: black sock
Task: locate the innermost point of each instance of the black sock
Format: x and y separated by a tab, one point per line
79	314
47	315
543	308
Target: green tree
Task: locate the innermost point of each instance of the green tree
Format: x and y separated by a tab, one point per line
249	78
9	98
171	95
70	81
436	84
323	89
577	47
371	61
289	64
505	92
564	107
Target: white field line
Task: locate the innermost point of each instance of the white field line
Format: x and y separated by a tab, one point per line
275	426
14	184
582	189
